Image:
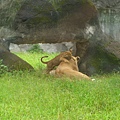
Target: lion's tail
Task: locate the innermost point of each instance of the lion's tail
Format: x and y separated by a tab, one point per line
42	59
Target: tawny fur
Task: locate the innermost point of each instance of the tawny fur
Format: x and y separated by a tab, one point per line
73	62
69	69
56	61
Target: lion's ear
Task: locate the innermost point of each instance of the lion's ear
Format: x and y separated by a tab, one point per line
78	58
71	50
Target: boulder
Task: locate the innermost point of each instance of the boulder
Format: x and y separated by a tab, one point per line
101	55
12	61
40	22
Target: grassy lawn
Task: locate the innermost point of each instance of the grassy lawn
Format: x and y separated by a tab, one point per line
36	96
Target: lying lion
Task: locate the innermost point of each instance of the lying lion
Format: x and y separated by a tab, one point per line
56	61
69	68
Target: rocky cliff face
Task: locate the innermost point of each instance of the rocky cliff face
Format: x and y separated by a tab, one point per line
109	17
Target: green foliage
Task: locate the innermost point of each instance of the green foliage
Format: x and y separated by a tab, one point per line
3	68
35	49
34	58
37	96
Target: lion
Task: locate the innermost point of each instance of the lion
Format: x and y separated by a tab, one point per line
69	68
73	62
51	64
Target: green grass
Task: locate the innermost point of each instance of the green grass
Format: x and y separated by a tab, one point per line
36	96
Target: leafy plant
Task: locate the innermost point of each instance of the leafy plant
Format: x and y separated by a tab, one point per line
3	68
35	49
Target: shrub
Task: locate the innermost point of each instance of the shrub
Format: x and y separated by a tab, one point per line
3	68
35	49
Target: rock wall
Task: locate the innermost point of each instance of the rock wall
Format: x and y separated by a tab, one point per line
50	48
